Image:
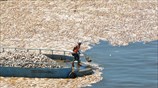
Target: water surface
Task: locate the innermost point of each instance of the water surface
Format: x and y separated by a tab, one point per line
132	66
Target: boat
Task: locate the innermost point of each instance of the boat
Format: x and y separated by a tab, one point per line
67	71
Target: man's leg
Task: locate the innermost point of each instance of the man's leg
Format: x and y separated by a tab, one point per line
75	58
78	59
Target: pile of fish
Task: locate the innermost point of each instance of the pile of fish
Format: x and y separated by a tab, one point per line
26	60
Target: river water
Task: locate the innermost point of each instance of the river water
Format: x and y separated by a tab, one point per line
132	66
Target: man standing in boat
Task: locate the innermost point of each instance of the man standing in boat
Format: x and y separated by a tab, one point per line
76	54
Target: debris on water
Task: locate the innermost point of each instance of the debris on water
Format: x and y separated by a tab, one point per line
110	55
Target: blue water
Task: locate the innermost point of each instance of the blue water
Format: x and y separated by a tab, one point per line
132	66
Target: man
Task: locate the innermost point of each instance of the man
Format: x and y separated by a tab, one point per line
76	54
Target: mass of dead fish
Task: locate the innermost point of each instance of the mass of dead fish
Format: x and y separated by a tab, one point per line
26	60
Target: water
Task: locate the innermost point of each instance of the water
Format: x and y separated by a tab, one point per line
132	66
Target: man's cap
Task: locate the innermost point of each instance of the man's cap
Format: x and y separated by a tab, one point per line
79	42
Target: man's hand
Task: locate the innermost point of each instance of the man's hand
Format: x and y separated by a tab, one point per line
89	60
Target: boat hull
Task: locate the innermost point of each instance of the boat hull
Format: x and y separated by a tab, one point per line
43	72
